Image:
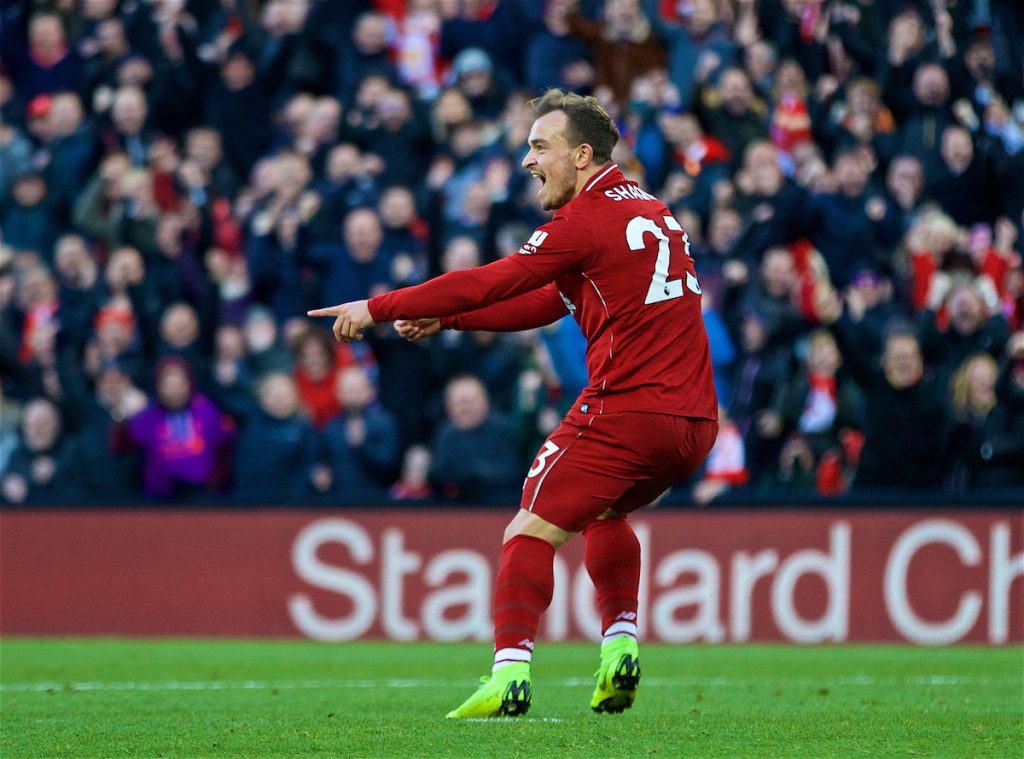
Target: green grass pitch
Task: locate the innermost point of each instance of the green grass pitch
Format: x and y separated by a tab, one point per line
178	698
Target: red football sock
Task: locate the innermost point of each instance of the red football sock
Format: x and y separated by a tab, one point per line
522	591
612	558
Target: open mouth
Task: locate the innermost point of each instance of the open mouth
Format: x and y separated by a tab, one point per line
541	177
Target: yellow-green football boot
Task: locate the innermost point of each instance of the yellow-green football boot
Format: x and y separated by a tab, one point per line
618	677
505	693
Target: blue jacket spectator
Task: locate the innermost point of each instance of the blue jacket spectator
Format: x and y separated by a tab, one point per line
475	458
359	268
40	58
360	446
276	449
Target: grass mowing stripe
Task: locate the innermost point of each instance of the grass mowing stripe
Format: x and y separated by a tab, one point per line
571	682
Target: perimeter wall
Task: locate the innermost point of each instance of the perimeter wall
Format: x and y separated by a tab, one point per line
925	577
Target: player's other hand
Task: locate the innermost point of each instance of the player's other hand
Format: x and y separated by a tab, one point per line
350	319
417	329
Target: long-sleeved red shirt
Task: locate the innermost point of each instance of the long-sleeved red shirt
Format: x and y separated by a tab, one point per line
619	262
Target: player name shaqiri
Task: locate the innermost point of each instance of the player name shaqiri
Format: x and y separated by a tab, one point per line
628	192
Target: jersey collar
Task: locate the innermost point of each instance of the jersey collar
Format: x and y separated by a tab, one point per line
610	172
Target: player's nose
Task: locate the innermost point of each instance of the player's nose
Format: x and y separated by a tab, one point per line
528	160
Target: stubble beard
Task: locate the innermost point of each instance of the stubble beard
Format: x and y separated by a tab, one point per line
561	192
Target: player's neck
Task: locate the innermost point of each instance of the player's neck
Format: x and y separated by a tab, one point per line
587	175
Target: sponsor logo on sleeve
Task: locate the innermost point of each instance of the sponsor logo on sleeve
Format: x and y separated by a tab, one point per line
536	240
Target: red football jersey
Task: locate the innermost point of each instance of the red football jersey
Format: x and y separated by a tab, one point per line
619	262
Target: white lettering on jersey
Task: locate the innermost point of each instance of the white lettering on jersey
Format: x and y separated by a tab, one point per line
628	192
536	240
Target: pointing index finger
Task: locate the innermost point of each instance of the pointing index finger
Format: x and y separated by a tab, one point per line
331	311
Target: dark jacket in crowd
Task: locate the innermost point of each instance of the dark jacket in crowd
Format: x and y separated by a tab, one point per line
274	458
367	468
59	482
479	464
903	434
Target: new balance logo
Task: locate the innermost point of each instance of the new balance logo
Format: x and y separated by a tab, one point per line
525	643
536	240
627	615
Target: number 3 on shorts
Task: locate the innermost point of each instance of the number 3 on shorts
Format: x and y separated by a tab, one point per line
542	459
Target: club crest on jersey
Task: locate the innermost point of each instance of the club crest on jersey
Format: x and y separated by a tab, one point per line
536	240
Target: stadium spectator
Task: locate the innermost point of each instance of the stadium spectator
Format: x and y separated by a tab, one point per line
965	186
318	363
905	413
697	40
475	458
970	329
128	131
623	45
405	235
367	55
264	351
842	228
397	131
552	58
502	34
237	105
68	154
985	447
698	161
474	76
904	188
26	214
725	466
42	61
94	414
349	181
414	482
80	289
813	413
157	154
923	117
863	120
360	445
117	205
869	309
183	437
277	447
359	267
731	114
47	465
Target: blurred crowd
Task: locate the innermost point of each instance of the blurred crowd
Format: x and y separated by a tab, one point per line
182	181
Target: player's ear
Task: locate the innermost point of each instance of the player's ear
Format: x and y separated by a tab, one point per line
583	155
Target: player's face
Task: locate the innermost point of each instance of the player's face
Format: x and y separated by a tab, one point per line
550	160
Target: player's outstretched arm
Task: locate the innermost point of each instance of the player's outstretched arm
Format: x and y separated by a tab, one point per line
537	308
531	310
472	290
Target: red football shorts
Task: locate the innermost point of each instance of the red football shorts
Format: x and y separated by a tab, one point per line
620	461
